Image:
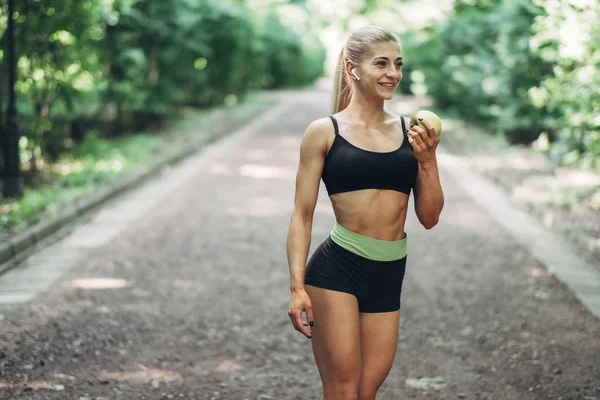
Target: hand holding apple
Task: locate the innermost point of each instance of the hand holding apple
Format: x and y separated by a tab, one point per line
428	116
424	136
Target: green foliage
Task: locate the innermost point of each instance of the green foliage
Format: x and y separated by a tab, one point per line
233	50
461	6
514	66
281	49
53	40
292	57
480	63
107	68
568	36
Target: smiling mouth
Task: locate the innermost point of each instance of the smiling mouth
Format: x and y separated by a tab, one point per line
387	85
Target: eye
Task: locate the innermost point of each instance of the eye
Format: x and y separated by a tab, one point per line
399	64
381	63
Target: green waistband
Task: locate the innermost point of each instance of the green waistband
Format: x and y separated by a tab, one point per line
368	247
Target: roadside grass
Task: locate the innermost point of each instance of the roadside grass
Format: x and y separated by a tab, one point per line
97	161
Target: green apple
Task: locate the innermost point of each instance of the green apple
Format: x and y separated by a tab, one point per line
428	116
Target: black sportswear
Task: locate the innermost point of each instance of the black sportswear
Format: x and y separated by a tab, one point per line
348	168
377	285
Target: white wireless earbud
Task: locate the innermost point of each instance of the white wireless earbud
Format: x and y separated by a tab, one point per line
356	76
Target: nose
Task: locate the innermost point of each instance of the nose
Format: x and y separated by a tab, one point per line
393	73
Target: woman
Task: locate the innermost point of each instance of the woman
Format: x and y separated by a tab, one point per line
369	161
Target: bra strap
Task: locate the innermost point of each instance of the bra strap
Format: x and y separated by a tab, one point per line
404	127
335	125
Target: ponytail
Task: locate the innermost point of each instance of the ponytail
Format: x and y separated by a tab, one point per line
342	92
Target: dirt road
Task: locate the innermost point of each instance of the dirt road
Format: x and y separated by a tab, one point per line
199	310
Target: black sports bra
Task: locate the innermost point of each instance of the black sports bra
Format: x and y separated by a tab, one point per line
348	168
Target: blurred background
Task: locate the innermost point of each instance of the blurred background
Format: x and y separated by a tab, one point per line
102	86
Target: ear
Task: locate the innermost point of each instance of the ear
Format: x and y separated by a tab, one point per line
349	67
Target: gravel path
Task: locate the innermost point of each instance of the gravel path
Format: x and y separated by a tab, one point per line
205	312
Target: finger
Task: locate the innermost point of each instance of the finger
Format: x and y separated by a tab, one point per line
416	137
309	315
429	131
420	132
300	326
310	318
413	143
422	137
291	315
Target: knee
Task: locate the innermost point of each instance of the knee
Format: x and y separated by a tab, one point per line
367	395
344	395
347	391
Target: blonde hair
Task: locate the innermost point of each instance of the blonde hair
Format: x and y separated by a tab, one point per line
357	45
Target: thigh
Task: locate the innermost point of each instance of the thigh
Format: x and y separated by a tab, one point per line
384	287
336	340
378	344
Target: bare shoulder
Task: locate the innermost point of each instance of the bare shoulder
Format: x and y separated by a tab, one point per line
318	133
319	127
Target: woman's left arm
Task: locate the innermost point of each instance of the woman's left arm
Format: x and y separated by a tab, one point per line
429	198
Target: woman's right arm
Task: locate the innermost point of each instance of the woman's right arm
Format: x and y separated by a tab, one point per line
312	157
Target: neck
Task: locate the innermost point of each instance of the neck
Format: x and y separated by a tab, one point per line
368	110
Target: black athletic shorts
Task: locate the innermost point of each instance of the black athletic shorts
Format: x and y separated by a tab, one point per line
377	285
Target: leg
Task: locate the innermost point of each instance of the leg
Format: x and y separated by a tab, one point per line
378	344
379	325
335	342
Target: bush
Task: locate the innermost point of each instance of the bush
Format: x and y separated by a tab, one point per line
292	58
528	69
569	37
480	63
111	67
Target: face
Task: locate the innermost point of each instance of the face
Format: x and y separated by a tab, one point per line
380	71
